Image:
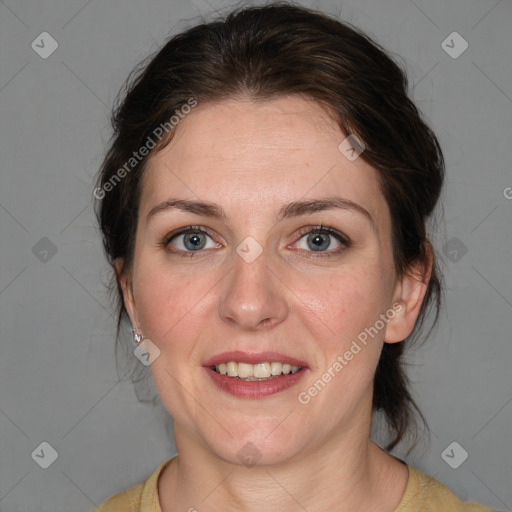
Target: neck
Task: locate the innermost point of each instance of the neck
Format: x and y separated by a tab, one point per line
347	473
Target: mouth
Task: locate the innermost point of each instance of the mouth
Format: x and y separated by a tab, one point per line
255	372
254	375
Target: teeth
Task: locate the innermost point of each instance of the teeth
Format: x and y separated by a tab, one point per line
261	370
232	369
257	371
245	370
276	368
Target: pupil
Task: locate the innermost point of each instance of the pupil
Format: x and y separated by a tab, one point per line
320	241
194	240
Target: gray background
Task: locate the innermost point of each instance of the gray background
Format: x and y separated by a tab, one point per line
58	377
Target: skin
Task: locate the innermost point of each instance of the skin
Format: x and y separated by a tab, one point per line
251	159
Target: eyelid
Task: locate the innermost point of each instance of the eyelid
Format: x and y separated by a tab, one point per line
343	239
167	246
327	230
187	229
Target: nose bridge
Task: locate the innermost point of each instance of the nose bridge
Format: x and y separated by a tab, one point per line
251	298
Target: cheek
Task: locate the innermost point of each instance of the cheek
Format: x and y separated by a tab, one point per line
170	303
345	302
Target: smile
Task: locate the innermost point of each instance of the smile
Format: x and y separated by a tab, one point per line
255	372
254	375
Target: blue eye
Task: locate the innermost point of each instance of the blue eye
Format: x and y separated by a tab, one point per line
190	239
318	241
321	241
324	240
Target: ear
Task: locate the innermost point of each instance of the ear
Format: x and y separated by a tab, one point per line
124	279
409	293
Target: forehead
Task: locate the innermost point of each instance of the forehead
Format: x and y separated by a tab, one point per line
245	154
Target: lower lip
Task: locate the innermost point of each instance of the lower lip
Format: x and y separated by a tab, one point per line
255	388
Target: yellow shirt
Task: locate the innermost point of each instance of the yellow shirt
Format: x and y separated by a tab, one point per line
422	494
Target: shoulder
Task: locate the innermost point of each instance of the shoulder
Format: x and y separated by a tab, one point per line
141	497
126	501
425	494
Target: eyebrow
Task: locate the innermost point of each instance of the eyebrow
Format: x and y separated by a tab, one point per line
290	210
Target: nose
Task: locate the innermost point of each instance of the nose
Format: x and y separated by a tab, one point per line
253	297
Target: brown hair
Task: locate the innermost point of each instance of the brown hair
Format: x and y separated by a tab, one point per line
262	53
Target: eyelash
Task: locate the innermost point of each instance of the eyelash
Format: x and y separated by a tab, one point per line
321	229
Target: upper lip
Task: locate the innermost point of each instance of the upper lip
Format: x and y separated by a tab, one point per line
253	358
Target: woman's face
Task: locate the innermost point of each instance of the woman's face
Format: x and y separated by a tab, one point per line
261	282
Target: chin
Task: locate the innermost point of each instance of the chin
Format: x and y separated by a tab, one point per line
252	450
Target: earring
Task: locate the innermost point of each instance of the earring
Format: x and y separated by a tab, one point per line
137	338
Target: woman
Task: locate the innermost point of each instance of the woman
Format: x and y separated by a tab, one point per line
264	204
